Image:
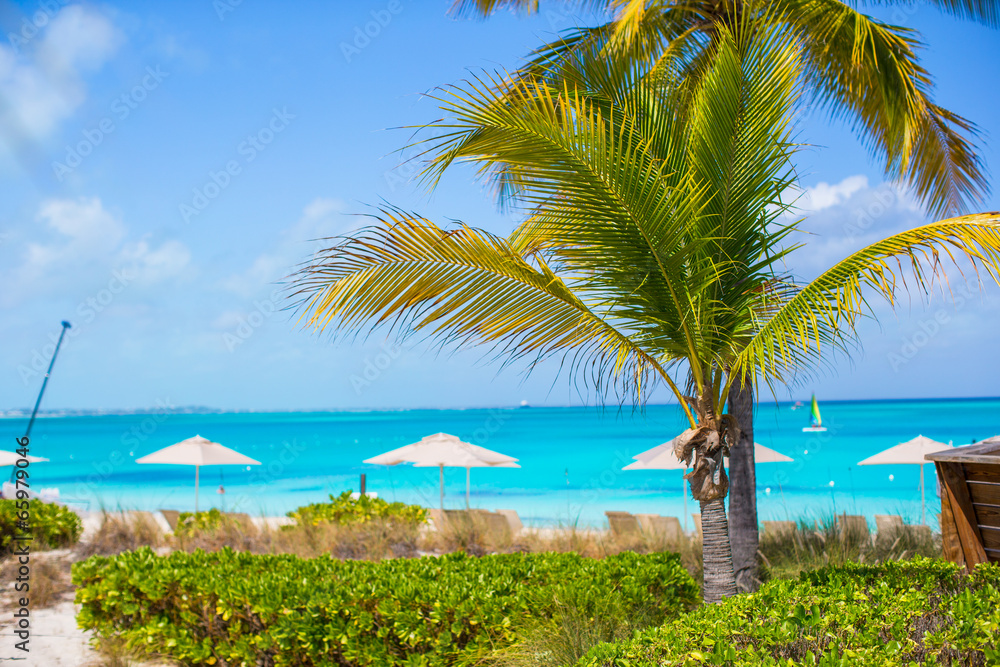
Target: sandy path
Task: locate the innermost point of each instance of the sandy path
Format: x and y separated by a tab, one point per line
56	641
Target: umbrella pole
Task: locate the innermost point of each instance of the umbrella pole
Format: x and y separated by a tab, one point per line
923	498
467	469
196	489
441	470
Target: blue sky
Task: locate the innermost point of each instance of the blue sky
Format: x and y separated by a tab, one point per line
165	164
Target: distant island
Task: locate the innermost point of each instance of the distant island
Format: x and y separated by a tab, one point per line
19	413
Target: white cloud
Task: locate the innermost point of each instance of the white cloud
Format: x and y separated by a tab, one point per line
824	195
78	38
841	218
152	265
84	243
41	79
321	218
84	231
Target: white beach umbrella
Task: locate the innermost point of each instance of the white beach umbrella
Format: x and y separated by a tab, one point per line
442	450
11	459
198	452
911	452
762	454
662	457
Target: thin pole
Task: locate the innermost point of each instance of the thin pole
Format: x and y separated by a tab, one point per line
45	383
45	380
441	469
467	469
196	489
923	498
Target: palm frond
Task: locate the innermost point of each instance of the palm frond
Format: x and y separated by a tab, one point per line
471	8
859	70
868	73
986	12
467	288
822	316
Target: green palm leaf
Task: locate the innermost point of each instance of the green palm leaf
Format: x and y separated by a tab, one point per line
466	288
823	315
857	68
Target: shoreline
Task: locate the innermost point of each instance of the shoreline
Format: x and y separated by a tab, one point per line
23	413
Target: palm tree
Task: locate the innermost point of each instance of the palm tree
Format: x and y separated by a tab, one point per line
853	66
651	246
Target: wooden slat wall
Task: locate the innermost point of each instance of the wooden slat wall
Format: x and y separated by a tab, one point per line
964	520
985	493
991	538
984	490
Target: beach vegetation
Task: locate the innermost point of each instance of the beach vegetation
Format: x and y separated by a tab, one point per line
193	523
213	530
48	583
374	539
50	525
238	608
814	544
897	613
114	653
345	509
121	531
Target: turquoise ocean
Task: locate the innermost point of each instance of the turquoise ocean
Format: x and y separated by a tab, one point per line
571	458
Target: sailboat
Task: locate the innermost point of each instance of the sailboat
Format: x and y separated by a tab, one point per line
816	420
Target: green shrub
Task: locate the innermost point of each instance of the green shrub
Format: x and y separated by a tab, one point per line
344	509
899	613
235	608
52	525
190	524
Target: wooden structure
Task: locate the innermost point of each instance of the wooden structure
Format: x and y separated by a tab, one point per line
970	502
622	524
661	527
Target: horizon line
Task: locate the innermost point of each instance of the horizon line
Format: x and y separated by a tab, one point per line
15	413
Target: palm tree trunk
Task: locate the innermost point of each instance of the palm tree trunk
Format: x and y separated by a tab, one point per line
743	532
717	560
